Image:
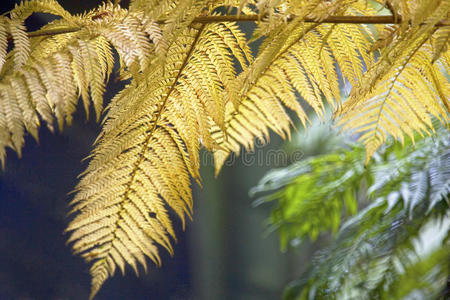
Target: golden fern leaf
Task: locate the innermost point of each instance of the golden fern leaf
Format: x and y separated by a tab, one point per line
184	93
148	148
38	96
94	73
3	41
412	12
154	9
53	71
128	36
261	107
299	59
21	43
440	42
385	37
29	117
12	120
26	8
402	104
388	103
18	31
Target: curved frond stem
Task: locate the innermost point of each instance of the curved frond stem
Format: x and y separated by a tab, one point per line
394	81
155	123
393	84
50	32
133	177
392	10
160	111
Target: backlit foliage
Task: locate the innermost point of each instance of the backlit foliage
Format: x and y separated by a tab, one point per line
395	248
194	82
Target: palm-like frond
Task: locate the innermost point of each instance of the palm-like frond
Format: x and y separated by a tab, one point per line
147	151
377	248
387	103
302	208
46	75
295	58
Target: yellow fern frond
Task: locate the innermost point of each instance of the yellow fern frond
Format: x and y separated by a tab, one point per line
149	148
53	71
300	58
388	103
401	103
26	8
21	43
3	41
440	41
29	117
13	120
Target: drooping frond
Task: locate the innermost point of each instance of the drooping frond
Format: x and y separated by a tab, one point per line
440	42
21	42
26	8
296	58
388	102
147	150
378	248
43	77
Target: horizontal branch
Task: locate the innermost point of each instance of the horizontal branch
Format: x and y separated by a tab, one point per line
255	18
331	19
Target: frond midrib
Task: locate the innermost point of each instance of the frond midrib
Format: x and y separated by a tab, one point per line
147	140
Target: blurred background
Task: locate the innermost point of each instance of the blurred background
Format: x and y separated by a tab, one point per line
225	252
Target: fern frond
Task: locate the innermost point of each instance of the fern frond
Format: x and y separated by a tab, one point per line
3	41
38	96
302	209
375	248
95	75
129	36
387	103
440	42
29	116
148	148
394	107
26	8
297	59
155	9
13	121
54	71
424	278
21	43
195	84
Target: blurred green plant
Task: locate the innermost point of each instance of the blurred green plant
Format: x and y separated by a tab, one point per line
397	247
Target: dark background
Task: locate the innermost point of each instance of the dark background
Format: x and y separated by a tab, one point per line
224	253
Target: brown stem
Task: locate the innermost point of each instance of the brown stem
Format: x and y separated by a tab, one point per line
331	19
254	18
391	8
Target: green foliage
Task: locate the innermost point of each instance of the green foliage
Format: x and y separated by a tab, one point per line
395	248
313	191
